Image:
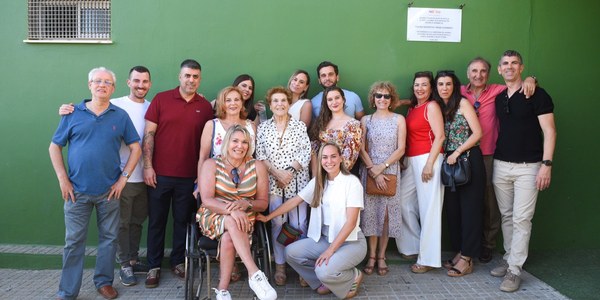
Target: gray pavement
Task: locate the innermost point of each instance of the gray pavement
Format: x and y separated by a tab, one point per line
400	283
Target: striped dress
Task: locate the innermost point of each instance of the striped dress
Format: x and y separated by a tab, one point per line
211	224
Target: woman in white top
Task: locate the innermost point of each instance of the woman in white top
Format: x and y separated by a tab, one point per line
230	111
327	259
301	107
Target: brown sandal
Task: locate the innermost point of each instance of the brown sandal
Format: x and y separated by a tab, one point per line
368	269
420	269
382	271
280	276
454	272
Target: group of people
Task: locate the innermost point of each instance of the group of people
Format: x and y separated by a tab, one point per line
304	156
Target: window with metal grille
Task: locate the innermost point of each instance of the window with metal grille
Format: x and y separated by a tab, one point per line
69	21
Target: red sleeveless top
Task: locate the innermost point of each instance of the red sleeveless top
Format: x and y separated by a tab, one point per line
419	134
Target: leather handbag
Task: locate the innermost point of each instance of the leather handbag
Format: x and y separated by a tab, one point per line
372	188
457	174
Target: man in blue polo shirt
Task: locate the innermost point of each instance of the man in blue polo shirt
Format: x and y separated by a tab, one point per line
93	132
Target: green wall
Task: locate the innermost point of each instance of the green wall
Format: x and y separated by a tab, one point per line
270	39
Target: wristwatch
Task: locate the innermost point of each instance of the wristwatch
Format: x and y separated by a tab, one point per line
386	165
547	163
125	174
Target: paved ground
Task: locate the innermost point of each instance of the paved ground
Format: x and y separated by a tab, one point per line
400	283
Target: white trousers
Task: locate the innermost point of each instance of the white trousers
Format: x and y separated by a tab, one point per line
408	242
295	217
430	198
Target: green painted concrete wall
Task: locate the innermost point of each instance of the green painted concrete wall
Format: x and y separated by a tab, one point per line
270	39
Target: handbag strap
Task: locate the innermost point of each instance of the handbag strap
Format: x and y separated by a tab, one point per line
283	199
212	140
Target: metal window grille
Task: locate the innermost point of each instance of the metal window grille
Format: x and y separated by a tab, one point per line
52	20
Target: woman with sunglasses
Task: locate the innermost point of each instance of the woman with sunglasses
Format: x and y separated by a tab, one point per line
327	259
233	187
283	146
464	206
334	125
382	147
425	137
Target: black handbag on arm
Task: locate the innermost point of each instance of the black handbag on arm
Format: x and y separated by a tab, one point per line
457	174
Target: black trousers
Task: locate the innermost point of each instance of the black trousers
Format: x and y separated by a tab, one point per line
172	192
464	209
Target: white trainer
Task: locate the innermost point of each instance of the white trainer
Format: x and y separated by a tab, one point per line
222	294
261	287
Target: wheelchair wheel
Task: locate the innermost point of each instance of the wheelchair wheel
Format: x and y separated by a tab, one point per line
192	269
262	252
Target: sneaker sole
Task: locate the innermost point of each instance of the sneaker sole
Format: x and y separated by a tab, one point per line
498	274
126	284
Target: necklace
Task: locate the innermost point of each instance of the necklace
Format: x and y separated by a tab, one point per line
235	173
287	121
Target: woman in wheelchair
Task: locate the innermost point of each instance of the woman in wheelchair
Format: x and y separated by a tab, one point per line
327	260
233	187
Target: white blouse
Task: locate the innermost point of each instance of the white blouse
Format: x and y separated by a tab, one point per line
340	193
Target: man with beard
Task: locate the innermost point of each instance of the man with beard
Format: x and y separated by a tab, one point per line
174	124
328	76
134	197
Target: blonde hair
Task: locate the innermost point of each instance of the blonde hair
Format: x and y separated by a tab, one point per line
227	139
321	176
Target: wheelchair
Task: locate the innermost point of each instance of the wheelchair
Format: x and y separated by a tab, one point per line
201	253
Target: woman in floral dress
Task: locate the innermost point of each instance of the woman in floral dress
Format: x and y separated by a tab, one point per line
382	147
333	125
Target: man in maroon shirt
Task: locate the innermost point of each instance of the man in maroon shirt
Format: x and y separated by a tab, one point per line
174	124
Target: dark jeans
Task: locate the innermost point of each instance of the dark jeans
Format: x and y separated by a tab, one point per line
177	193
464	209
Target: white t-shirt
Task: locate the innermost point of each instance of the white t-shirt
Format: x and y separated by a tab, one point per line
136	112
341	192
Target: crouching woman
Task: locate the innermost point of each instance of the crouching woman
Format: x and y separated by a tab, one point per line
327	260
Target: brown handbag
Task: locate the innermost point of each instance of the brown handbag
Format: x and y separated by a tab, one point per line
391	186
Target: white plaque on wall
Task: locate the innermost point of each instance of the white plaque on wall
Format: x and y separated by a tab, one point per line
434	25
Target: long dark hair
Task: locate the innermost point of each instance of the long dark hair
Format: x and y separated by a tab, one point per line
325	114
425	74
448	109
249	104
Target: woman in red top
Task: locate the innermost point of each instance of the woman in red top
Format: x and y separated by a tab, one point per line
425	136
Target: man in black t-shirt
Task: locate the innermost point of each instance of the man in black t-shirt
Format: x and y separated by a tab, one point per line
522	163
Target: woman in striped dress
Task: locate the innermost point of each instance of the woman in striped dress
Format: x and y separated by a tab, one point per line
233	187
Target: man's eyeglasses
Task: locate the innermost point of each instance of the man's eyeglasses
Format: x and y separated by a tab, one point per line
100	81
385	96
236	177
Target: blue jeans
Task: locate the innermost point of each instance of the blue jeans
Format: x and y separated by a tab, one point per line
77	218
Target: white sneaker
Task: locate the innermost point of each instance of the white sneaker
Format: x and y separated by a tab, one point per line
261	287
222	294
